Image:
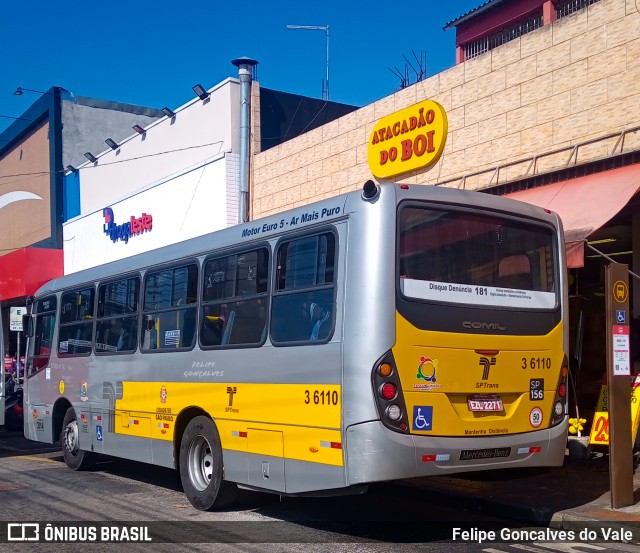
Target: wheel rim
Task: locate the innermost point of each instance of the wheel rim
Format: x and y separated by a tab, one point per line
71	437
200	462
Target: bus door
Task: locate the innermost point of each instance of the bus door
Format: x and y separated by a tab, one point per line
39	377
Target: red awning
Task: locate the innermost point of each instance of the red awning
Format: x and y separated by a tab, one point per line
23	271
584	204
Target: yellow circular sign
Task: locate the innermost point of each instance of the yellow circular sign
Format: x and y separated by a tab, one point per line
61	387
410	139
620	291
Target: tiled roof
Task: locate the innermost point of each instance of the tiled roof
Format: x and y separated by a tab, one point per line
472	13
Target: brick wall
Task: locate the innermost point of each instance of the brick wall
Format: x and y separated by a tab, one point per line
563	84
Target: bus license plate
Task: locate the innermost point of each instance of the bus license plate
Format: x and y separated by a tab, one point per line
485	403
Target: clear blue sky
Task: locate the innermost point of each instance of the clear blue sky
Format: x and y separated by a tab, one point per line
152	53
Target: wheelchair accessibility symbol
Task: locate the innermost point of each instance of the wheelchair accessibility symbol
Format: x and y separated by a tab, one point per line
99	433
423	418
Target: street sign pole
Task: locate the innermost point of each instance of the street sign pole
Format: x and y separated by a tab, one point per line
15	324
618	375
18	361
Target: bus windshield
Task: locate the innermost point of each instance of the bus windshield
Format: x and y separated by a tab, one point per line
464	257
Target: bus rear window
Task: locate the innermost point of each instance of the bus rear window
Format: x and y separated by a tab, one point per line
473	258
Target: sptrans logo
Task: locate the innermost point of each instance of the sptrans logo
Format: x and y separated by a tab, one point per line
126	230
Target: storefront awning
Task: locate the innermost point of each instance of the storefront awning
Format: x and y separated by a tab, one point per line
23	271
584	204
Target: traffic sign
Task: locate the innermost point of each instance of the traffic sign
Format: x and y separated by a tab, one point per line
15	318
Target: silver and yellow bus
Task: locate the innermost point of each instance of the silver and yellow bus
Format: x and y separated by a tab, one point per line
394	332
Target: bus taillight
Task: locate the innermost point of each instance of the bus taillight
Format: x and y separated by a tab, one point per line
388	390
394	412
385	369
388	395
560	400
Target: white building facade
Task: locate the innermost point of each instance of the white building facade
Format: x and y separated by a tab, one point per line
175	179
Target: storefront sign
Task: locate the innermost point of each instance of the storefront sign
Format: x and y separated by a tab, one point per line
410	139
123	232
600	428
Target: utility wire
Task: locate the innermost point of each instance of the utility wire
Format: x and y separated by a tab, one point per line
114	162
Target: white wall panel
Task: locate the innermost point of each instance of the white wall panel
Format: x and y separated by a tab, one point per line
200	130
192	203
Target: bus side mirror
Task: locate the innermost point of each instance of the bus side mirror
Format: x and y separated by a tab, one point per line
27	325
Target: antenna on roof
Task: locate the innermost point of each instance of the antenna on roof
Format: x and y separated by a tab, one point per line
420	72
421	75
404	79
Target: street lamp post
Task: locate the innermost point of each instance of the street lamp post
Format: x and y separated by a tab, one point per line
325	28
21	89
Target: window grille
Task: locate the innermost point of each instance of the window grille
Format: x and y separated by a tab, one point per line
484	44
567	7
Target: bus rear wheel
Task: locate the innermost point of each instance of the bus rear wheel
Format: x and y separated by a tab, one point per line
201	468
74	457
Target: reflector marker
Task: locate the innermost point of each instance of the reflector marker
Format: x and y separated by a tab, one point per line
527	450
238	434
131	421
438	457
331	445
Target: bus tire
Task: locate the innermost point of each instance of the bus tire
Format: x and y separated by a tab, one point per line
75	458
201	467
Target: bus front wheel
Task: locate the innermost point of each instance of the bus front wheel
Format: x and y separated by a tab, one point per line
201	469
74	457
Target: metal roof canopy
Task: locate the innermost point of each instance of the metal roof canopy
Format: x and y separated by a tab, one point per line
584	204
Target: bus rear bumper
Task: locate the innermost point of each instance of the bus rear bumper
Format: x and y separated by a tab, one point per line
375	453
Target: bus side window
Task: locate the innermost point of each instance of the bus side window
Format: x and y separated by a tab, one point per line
170	297
40	350
234	298
302	308
117	323
75	336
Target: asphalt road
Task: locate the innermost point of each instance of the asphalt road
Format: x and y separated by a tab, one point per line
37	487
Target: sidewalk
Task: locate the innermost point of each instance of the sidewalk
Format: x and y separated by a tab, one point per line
578	493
